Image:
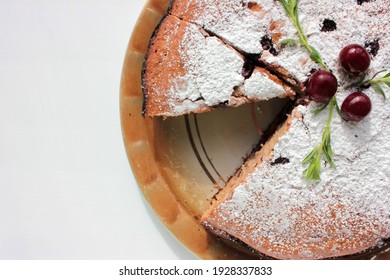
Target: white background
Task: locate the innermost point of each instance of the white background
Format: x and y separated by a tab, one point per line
66	188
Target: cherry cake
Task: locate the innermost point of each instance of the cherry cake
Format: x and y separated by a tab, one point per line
207	54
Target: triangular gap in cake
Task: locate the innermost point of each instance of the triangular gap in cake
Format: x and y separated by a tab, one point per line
262	154
165	62
188	70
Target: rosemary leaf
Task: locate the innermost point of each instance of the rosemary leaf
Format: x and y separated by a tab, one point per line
386	76
341	113
310	157
319	109
375	83
312	172
315	55
377	73
358	83
291	8
327	148
379	89
285	5
288	42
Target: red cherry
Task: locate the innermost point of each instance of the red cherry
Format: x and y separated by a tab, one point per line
322	86
356	106
355	59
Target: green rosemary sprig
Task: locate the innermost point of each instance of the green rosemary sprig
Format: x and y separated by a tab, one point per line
376	83
322	107
291	8
312	172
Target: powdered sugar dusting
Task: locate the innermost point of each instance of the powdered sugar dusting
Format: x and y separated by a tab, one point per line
212	70
228	19
260	86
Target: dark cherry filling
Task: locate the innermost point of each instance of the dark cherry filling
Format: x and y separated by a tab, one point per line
268	45
280	160
363	1
251	61
223	104
372	47
247	70
328	25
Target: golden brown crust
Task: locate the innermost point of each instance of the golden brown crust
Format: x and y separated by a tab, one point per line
163	55
185	9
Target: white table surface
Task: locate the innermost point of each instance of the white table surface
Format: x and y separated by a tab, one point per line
66	187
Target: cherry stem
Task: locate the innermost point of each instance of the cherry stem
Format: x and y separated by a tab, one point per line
333	103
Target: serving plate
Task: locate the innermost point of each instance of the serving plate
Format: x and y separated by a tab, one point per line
181	163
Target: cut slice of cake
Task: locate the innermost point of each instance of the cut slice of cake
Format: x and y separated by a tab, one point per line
202	57
188	70
270	206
